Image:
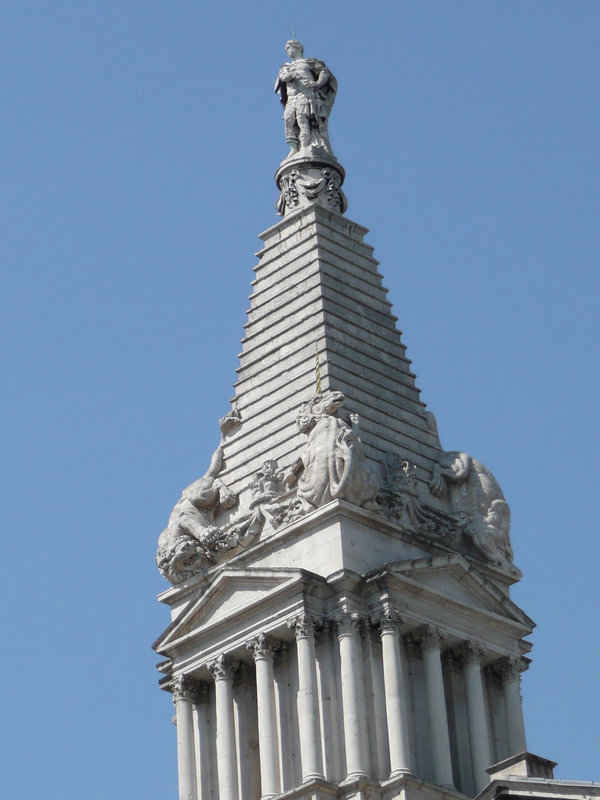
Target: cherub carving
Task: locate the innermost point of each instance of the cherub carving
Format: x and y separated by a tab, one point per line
192	532
477	497
332	465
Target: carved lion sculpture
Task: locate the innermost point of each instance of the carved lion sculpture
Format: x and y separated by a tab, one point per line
332	465
477	497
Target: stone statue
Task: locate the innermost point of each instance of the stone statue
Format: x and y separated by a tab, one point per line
332	465
477	498
192	533
307	91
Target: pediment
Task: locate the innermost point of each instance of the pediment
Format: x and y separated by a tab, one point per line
229	595
452	579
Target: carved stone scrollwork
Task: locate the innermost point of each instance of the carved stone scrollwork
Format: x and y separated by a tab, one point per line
303	626
261	647
389	621
184	687
332	465
305	182
398	498
221	668
347	624
430	636
511	667
473	652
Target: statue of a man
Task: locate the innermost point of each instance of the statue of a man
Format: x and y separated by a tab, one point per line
307	91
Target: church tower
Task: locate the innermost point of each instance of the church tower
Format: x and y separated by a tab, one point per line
341	621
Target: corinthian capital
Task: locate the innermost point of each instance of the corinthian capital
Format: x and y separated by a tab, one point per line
511	667
347	624
221	668
303	626
262	646
431	638
473	652
389	621
183	687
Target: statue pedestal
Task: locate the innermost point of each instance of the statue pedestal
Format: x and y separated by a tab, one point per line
305	180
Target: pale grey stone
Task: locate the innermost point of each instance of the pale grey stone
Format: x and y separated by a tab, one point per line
307	91
477	498
331	466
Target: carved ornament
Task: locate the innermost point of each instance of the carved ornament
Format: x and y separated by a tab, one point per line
473	652
303	626
221	668
477	500
262	647
183	687
332	465
347	624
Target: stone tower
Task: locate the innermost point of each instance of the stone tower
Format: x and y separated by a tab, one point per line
341	621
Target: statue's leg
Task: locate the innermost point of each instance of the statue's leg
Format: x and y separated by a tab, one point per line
304	125
290	127
194	525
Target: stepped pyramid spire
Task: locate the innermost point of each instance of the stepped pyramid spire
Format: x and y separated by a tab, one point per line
341	619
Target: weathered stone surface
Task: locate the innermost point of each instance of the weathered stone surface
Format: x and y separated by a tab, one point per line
477	499
307	91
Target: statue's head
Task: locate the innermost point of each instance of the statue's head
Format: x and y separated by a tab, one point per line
294	48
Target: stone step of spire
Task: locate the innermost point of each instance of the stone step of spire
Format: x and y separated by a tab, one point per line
318	290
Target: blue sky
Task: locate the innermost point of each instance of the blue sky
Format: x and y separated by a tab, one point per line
139	142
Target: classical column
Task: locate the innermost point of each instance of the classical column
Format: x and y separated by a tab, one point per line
203	778
263	652
479	738
379	749
396	693
511	669
431	639
183	688
308	709
222	671
350	657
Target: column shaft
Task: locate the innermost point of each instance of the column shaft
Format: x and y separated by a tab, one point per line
226	750
396	698
267	727
478	728
182	688
436	701
308	709
356	759
511	688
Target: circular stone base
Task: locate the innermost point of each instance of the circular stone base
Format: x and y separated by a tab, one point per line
305	180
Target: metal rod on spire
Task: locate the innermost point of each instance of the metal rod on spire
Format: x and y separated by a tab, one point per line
317	369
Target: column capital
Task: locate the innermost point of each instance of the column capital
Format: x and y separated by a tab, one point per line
430	636
262	647
221	668
347	624
389	621
452	660
183	687
303	625
511	667
473	652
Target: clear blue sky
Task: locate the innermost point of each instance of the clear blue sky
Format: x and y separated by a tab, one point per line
139	141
